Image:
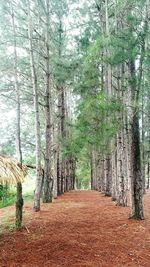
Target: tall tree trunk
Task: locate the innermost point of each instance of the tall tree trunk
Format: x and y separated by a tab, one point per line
136	174
73	173
114	175
19	202
148	172
39	172
108	177
58	171
93	170
142	143
54	162
63	136
121	147
48	181
61	161
108	90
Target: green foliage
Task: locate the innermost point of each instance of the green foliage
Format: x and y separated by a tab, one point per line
83	170
97	121
7	196
8	193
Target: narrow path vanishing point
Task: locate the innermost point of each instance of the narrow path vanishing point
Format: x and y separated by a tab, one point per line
81	228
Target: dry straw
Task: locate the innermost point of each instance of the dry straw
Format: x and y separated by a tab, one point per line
11	171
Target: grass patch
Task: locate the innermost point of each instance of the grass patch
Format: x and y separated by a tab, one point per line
8	200
11	199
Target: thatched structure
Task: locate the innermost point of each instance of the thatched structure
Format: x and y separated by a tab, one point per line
11	171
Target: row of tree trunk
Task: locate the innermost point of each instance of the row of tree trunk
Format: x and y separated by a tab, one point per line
55	171
120	172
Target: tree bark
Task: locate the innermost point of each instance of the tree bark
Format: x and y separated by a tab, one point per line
48	181
19	201
39	172
108	177
136	174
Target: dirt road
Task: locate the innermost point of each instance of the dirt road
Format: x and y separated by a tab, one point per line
81	228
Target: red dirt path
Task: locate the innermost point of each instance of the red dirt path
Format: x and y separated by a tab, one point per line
81	228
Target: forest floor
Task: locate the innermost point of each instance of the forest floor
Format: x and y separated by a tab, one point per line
80	228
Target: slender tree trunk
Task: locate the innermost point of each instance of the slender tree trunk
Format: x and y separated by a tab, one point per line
58	171
102	175
142	144
148	172
39	172
48	181
73	173
108	189
114	175
61	160
63	136
92	173
121	153
19	202
108	89
54	163
93	170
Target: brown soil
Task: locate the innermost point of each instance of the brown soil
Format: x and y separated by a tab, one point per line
81	228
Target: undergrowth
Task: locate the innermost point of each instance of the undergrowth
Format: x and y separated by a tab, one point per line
10	199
